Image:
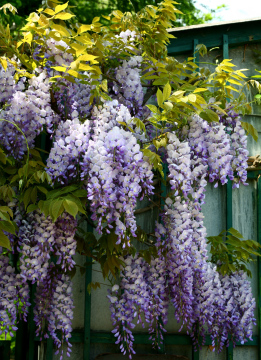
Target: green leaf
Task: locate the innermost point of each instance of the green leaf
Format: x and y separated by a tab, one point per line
235	233
27	197
209	115
64	16
139	124
159	97
166	92
80	193
62	7
61	191
31	208
7	226
153	108
154	159
70	207
56	209
6	209
34	195
4	241
10	7
250	130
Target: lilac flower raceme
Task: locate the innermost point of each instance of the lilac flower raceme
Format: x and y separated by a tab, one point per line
55	305
36	241
29	110
128	88
8	85
142	289
64	242
118	175
70	146
14	297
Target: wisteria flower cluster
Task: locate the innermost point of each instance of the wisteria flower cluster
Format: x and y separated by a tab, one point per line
202	298
81	91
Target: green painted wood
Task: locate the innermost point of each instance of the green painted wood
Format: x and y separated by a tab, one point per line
104	337
230	351
259	263
5	349
49	349
229	205
253	174
225	47
163	187
21	338
212	36
31	326
195	54
229	223
195	355
87	310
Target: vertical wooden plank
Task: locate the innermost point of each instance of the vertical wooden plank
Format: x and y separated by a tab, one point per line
163	188
195	354
195	54
31	326
229	221
259	262
6	349
87	310
225	47
49	349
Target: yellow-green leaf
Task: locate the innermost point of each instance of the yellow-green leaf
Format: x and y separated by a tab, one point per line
49	11
159	97
64	16
59	8
3	63
59	68
83	28
192	98
4	241
70	207
250	130
209	115
61	29
166	91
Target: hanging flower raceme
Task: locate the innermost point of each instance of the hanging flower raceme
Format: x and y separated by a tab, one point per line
8	85
36	241
65	243
118	175
14	297
55	305
239	307
128	87
141	296
29	110
70	146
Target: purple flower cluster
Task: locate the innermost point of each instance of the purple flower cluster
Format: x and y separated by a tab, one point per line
39	238
128	88
65	243
29	110
118	175
70	145
54	304
143	297
8	85
14	296
36	240
181	274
